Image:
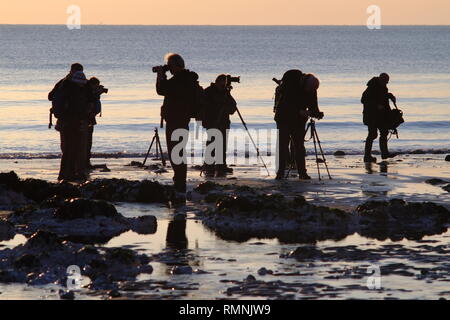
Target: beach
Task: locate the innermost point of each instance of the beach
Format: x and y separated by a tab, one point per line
222	267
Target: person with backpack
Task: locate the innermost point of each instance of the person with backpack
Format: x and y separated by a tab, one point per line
220	104
295	102
72	102
180	105
376	116
97	91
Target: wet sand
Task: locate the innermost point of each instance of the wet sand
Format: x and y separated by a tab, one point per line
410	269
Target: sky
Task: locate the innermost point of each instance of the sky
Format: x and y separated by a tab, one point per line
227	12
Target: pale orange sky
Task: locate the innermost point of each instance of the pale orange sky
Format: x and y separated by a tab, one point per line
242	12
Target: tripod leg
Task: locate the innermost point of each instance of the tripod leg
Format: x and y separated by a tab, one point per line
148	152
323	155
158	145
317	157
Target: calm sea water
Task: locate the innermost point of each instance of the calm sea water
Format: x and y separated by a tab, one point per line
33	58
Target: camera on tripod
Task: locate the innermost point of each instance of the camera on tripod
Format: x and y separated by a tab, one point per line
317	115
163	68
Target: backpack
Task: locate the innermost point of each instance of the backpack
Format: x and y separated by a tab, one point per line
199	103
59	102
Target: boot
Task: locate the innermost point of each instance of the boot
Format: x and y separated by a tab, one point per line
304	176
368	152
385	154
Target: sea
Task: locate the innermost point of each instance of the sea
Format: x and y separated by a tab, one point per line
34	57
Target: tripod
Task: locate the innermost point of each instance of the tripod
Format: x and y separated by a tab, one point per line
316	140
158	149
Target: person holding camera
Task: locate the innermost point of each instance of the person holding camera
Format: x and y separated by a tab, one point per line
72	103
295	102
376	115
220	104
97	91
180	92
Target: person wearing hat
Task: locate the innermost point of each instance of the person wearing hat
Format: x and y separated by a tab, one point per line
73	126
295	102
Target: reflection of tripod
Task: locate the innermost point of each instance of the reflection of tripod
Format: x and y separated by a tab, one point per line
316	140
158	149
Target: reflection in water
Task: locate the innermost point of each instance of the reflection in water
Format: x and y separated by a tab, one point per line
383	168
176	233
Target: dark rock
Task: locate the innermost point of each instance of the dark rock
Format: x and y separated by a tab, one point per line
446	188
7	230
339	153
447	158
398	219
306	253
181	270
126	191
12	276
144	225
114	293
27	261
37	190
123	256
42	240
65	190
85	209
12	200
151	191
205	187
10	180
250	278
263	271
435	181
66	295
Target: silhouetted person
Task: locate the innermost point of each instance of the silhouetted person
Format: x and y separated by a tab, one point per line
295	101
75	102
220	104
376	115
179	107
97	91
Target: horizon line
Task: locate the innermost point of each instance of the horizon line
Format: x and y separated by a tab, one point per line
229	25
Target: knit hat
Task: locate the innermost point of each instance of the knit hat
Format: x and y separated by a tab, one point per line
79	77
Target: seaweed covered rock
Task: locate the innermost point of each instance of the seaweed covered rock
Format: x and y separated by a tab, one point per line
397	219
102	189
86	209
80	220
45	258
247	215
124	190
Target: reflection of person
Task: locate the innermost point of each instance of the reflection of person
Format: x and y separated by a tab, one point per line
176	233
376	115
295	101
220	104
178	108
